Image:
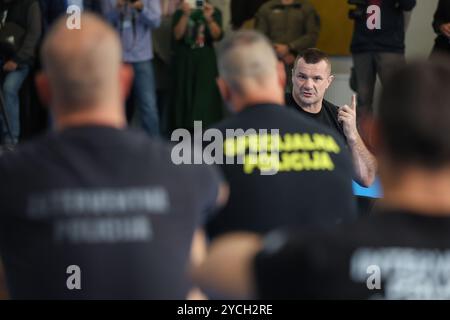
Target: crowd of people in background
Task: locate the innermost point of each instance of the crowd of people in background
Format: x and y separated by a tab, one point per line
102	188
171	46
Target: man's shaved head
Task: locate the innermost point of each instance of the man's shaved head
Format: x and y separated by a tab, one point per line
82	65
246	55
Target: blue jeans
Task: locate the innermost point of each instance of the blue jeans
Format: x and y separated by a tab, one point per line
11	85
144	94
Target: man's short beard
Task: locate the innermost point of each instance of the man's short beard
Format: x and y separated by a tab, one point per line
299	99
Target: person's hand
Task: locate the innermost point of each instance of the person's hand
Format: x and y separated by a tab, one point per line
347	115
10	66
208	11
281	49
120	4
138	5
445	29
186	8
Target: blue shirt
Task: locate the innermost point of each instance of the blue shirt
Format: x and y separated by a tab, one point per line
136	37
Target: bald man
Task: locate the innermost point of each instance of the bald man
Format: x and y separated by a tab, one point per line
94	210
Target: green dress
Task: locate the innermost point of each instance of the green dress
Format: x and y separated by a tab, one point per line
196	96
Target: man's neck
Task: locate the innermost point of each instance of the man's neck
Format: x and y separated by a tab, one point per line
105	117
259	96
422	191
310	108
252	102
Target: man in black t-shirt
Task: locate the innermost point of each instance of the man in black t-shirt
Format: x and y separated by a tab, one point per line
311	77
286	187
402	252
94	210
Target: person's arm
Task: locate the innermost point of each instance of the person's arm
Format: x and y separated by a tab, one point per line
33	34
213	20
312	29
149	12
364	163
438	19
228	267
182	16
199	243
197	257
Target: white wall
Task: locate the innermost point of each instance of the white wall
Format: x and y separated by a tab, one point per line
420	36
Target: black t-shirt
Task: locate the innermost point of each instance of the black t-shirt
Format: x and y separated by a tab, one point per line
327	116
390	37
107	201
391	255
313	183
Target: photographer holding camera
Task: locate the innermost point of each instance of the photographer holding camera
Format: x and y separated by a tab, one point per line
377	51
196	26
134	20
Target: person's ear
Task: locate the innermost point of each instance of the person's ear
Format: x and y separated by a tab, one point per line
330	80
43	88
281	72
224	89
126	80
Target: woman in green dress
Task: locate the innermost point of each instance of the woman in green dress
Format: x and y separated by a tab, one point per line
195	96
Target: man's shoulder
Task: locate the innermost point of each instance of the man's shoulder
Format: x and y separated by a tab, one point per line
86	139
330	106
314	125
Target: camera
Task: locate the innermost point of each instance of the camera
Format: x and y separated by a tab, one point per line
360	10
196	3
